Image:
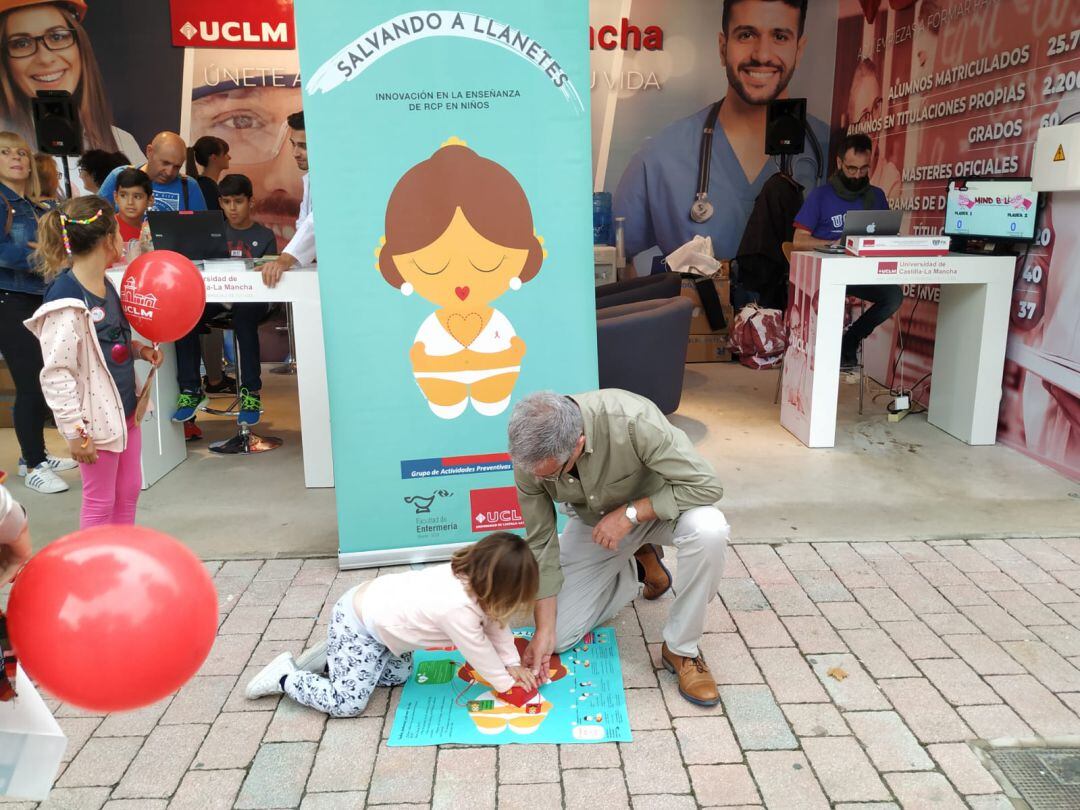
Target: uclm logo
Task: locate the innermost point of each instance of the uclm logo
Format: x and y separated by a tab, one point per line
255	24
136	304
495	509
888	268
237	31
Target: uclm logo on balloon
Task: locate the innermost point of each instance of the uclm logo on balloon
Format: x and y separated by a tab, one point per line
257	24
137	305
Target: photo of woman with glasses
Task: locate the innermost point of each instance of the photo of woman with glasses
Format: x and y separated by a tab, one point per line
45	47
244	98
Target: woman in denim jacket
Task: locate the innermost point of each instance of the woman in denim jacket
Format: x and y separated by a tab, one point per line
21	293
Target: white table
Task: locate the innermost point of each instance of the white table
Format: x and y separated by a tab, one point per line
969	348
230	281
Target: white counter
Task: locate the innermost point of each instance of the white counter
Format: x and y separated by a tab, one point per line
230	281
969	348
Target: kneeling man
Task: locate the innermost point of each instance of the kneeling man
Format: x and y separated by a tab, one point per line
632	480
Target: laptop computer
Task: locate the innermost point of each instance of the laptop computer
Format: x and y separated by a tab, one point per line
866	223
195	234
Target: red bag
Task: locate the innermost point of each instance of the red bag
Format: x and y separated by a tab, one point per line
758	336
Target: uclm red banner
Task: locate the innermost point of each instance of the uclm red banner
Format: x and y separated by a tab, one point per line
251	24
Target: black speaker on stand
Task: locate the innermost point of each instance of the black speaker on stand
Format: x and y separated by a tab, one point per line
785	129
57	127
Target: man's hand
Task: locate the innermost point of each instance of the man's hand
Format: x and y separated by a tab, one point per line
14	554
537	656
524	677
611	529
804	240
271	271
83	453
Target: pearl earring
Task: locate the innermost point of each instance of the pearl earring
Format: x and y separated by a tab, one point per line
515	284
406	289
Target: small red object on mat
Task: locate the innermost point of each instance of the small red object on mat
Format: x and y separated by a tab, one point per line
517	696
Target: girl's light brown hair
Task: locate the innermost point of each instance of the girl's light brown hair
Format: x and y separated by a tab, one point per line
48	176
95	114
13	140
501	572
424	201
82	236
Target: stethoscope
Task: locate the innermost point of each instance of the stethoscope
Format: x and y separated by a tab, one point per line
702	210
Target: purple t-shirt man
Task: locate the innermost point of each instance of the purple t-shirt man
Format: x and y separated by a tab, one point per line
823	212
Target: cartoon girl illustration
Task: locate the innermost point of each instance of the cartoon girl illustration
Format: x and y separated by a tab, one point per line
459	233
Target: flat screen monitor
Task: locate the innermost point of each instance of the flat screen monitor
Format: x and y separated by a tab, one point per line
196	234
1001	209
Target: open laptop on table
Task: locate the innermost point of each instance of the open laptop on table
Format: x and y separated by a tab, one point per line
196	234
865	223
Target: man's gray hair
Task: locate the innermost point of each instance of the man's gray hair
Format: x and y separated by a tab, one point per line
543	426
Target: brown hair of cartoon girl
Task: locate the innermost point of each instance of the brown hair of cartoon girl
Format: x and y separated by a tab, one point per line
424	201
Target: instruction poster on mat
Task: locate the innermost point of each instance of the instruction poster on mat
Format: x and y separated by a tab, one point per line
445	701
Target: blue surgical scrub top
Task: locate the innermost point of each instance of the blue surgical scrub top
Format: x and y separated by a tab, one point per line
659	184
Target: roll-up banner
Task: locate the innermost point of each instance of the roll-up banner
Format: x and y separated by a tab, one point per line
453	218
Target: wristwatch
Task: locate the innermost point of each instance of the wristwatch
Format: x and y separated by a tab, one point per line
631	514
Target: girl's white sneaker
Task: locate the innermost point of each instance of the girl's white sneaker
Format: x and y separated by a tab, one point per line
268	680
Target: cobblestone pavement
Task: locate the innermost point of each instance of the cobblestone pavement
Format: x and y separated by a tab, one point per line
942	643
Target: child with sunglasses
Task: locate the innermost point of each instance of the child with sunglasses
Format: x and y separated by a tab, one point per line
88	377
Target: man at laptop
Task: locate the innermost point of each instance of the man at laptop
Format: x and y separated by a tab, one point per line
173	191
820	222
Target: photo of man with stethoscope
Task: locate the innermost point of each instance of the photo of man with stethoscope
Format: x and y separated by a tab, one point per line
701	174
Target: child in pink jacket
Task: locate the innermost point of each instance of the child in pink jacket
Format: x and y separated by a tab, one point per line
88	378
375	626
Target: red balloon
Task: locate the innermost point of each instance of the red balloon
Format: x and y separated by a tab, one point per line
163	295
113	617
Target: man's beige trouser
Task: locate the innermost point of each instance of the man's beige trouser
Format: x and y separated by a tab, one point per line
599	583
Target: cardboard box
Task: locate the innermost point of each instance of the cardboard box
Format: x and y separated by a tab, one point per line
711	348
7	410
699	323
7	397
605	270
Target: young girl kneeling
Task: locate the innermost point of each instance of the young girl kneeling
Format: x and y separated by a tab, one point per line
88	377
376	625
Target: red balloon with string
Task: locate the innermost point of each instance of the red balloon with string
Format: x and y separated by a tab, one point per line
163	295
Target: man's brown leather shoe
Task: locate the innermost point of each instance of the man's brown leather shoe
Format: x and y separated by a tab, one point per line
652	572
696	683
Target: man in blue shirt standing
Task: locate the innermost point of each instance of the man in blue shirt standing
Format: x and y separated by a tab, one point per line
173	191
761	43
821	221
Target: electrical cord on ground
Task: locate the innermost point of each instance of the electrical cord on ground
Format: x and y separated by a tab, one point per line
900	355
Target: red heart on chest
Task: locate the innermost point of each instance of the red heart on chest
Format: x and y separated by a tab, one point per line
461	292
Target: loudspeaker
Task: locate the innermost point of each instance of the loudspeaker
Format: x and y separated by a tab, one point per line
785	127
56	123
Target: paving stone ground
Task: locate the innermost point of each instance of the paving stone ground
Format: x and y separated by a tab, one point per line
852	675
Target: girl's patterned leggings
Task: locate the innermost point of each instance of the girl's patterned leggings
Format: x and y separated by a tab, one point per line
356	663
